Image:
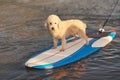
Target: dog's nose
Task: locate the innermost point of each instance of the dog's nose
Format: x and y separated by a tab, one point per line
52	28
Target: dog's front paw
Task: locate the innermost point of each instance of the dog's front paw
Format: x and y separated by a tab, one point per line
62	50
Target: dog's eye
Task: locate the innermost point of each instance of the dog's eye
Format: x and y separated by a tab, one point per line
55	23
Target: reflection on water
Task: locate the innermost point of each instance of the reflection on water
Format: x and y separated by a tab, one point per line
55	76
67	73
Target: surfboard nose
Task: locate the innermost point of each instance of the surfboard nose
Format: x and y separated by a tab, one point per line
28	65
37	65
47	66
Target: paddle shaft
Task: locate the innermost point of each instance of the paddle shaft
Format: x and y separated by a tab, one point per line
110	15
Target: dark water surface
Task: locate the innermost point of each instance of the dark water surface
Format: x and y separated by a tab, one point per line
22	35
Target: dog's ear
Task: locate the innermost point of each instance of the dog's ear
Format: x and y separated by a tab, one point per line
46	25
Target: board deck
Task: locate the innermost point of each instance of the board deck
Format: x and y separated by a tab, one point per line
75	50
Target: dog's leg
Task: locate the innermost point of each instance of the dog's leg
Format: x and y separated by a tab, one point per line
63	44
55	43
84	36
86	39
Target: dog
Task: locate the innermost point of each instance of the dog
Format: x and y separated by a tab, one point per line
62	29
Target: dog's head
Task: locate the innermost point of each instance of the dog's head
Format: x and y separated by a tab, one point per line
52	23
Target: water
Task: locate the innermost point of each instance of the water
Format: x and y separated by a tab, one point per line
22	35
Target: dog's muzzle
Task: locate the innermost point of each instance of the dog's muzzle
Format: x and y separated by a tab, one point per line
52	28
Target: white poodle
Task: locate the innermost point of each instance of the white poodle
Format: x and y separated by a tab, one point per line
63	29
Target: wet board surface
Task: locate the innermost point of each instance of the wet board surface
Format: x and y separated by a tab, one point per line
75	50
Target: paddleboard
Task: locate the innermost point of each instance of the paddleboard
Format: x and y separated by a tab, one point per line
75	50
